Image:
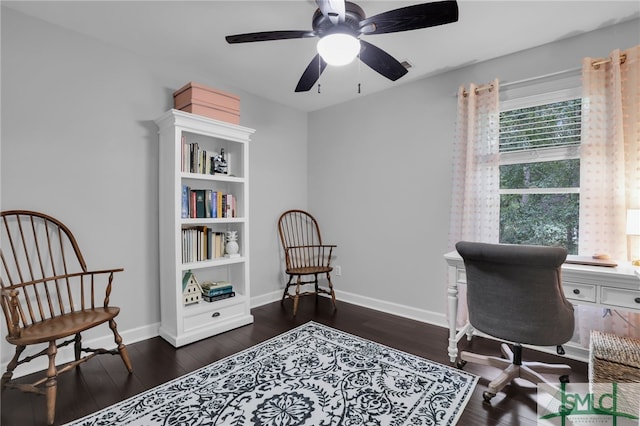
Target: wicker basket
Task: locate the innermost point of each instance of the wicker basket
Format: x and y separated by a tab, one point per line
615	359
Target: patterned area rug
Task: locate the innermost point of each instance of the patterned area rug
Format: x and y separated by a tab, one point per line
312	375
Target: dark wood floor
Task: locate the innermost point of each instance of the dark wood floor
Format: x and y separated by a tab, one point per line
104	380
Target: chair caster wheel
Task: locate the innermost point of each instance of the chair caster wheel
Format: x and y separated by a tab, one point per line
460	364
487	396
564	379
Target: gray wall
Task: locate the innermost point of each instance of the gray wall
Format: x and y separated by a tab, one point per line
78	142
380	174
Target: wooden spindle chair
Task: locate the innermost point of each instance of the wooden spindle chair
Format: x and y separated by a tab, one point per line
48	295
305	255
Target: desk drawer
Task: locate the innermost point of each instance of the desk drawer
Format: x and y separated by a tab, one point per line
579	292
620	297
212	316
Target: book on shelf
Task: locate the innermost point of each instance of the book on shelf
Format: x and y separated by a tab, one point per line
208	208
216	284
192	204
214	292
200	203
214	204
218	245
219	205
219	297
185	202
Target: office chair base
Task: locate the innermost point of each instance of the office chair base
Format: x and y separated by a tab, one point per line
530	371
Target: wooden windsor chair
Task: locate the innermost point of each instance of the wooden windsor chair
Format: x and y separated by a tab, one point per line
306	257
47	295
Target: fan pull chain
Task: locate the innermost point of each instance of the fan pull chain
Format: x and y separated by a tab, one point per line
359	62
319	71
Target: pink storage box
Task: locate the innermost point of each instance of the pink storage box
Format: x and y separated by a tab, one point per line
217	113
198	99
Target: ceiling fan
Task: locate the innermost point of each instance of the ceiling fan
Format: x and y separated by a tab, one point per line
344	22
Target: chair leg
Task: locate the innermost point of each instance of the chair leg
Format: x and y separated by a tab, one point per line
6	377
504	378
507	353
333	293
555	369
315	282
492	361
286	290
296	298
51	385
122	349
77	347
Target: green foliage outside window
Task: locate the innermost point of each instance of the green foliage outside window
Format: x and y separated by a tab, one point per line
540	219
539	202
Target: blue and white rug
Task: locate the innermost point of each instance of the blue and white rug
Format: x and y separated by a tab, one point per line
312	375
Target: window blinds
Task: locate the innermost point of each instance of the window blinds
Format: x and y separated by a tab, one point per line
550	125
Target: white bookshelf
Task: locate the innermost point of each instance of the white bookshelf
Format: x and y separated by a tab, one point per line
182	324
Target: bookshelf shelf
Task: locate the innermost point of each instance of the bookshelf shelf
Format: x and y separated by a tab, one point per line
214	262
180	135
220	178
209	220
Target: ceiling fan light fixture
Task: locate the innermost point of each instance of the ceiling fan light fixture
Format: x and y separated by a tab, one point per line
339	48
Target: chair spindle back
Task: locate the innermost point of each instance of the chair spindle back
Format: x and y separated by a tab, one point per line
301	240
40	262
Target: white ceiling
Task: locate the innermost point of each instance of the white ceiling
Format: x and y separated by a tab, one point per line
193	32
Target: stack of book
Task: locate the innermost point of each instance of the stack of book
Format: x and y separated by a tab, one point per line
202	243
198	160
207	203
217	290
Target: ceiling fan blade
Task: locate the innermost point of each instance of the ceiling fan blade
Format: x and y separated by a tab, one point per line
381	62
411	18
332	9
268	36
311	74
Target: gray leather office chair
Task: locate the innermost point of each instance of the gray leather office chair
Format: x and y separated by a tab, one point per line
514	293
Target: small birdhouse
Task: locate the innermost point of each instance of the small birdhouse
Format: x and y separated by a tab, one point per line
191	290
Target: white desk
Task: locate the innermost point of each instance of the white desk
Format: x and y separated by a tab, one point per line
592	285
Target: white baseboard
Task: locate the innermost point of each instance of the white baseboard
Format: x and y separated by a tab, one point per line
410	312
368	302
263	299
65	354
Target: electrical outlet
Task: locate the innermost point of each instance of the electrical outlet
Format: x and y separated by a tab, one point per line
338	270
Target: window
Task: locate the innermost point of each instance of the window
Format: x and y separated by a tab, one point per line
540	170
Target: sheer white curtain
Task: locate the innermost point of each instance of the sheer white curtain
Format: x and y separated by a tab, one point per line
609	171
475	207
